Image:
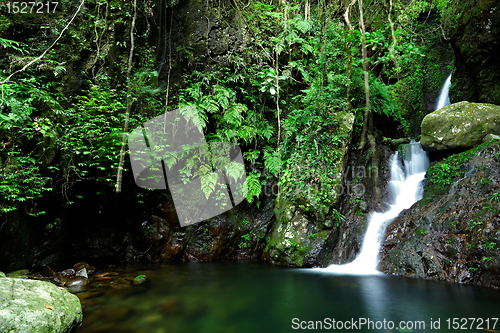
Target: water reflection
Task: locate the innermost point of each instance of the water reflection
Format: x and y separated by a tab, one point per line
249	296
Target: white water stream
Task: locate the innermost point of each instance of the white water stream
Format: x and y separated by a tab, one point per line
405	188
444	97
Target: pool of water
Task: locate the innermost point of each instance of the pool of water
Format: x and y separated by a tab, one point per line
252	296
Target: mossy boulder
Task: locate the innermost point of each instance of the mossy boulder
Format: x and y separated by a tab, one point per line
30	306
459	125
2	274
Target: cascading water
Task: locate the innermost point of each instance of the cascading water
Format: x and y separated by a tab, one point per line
405	189
444	97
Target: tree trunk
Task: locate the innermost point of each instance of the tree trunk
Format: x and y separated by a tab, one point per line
393	45
367	114
348	44
119	176
367	132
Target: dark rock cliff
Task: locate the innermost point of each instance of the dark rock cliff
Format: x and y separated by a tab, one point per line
474	33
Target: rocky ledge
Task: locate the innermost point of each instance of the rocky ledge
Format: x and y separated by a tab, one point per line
453	233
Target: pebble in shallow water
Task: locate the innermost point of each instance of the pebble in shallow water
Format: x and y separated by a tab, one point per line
78	266
140	279
76	281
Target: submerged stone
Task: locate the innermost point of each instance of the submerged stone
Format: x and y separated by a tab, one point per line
140	279
459	125
48	271
171	307
30	306
76	281
82	272
80	265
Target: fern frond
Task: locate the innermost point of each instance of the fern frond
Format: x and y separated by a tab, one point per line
235	170
303	26
253	187
208	182
272	162
233	115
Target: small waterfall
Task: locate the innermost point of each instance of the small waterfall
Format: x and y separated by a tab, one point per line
405	187
444	97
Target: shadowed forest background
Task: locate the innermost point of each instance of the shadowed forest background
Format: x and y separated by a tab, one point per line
318	94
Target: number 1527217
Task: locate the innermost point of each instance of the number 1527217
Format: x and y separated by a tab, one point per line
31	7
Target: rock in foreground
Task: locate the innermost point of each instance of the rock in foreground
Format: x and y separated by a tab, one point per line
36	306
459	125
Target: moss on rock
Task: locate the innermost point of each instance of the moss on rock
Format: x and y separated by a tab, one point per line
305	219
460	125
30	306
473	28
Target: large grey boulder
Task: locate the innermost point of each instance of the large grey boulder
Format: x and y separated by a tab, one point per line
459	125
30	306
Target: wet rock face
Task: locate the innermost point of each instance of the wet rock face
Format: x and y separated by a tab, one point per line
358	200
301	239
459	125
212	31
453	233
200	30
473	28
236	234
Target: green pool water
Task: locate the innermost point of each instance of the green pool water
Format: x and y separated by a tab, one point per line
252	296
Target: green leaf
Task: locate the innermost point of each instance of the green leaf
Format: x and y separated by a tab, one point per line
253	187
303	26
233	115
208	182
235	170
272	162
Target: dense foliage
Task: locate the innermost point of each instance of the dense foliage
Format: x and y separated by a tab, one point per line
278	99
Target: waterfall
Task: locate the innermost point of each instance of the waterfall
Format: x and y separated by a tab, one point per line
405	188
444	98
